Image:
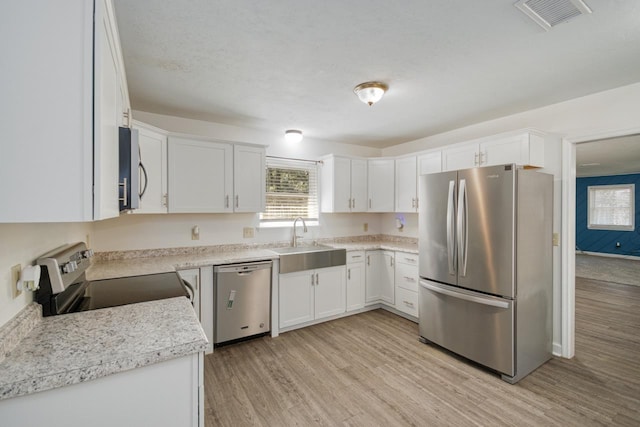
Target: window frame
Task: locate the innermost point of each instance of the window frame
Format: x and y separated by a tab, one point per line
284	163
591	189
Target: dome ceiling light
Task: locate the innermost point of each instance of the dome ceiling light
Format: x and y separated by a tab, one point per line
293	135
370	92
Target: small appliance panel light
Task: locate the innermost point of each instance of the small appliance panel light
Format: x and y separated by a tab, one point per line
293	135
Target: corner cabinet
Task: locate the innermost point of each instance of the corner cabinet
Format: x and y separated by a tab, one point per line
343	184
380	277
381	185
201	280
214	177
310	295
69	161
153	181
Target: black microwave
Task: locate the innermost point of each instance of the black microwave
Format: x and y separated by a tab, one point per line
132	171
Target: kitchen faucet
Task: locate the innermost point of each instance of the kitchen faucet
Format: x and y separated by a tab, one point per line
294	242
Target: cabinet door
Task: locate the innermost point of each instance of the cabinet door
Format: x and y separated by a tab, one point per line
107	117
430	162
296	298
358	185
373	276
341	184
200	176
406	184
355	286
153	156
462	157
248	178
524	149
387	276
192	277
330	292
381	185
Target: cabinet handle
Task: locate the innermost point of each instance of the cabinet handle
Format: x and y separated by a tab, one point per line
237	201
417	206
410	304
226	201
369	203
368	259
409	279
353	203
312	279
356	256
317	279
413	202
475	159
410	259
349	274
391	261
165	203
485	157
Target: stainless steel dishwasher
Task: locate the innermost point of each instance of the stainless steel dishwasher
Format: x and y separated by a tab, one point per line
242	301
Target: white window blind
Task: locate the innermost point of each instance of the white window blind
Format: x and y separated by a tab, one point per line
292	190
611	207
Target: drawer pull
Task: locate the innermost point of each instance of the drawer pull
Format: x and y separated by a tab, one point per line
409	279
356	256
409	259
410	304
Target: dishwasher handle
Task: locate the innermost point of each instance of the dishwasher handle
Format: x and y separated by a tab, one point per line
243	269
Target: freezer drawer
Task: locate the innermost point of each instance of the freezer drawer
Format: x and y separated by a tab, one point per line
471	324
242	300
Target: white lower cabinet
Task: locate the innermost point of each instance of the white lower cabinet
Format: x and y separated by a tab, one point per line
201	280
380	276
406	283
311	295
355	280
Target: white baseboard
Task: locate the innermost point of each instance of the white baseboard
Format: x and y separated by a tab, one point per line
557	349
602	254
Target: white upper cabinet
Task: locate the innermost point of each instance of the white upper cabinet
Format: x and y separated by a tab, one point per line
249	178
406	184
65	168
381	187
200	176
153	172
523	148
430	162
343	183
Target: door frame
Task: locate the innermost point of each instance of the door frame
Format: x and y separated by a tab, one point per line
569	230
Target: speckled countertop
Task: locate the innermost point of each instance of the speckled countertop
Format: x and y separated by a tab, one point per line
107	265
78	347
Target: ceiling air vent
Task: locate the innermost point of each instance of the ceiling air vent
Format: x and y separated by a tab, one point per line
549	13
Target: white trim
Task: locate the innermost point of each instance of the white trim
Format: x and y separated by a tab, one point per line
557	349
568	231
607	255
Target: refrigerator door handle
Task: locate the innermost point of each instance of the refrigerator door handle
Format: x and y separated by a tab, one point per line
451	211
462	228
459	295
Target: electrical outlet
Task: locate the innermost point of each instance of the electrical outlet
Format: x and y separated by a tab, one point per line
195	233
247	232
15	276
618	244
366	227
556	239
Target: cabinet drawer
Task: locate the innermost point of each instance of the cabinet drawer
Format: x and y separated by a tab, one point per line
355	256
406	258
407	277
407	301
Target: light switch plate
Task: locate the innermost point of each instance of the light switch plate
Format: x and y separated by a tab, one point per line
15	276
366	226
247	232
556	239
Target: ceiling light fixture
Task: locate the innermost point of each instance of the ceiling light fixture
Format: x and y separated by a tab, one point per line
293	135
370	92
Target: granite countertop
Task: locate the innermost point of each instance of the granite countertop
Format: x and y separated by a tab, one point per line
370	246
73	348
108	269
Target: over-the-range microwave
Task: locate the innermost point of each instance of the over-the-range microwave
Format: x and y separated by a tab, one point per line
132	171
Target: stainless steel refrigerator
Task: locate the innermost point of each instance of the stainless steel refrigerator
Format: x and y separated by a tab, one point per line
486	266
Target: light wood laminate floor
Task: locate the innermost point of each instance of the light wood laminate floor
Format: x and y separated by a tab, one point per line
370	369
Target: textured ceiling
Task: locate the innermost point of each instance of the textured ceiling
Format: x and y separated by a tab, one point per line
283	64
615	156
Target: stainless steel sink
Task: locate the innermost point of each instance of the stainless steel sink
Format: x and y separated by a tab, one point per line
310	257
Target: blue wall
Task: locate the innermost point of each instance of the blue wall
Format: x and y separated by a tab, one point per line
605	240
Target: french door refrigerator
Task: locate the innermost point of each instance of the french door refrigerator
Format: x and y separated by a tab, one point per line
486	266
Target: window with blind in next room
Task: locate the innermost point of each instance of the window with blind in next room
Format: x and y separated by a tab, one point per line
611	207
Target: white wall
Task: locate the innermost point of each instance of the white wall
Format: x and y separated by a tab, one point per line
23	244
